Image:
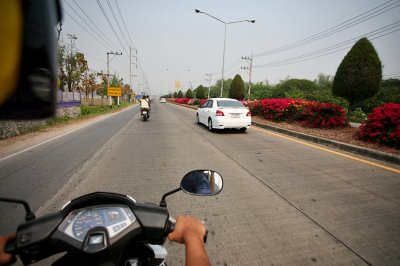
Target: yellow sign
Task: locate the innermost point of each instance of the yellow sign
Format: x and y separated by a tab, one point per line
177	84
114	91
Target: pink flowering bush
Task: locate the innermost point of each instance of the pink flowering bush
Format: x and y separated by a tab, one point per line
313	114
202	101
316	114
382	125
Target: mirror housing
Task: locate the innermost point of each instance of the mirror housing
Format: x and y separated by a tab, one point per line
202	183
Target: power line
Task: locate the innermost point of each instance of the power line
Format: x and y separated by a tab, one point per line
123	22
105	45
97	27
295	59
335	29
116	21
332	47
110	24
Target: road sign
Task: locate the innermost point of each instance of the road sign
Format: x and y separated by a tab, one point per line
177	84
114	91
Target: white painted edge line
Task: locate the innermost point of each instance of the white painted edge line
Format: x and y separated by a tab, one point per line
62	135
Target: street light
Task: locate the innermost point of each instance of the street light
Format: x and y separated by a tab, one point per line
223	55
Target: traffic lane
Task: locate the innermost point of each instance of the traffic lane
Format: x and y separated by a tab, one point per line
147	159
38	173
358	203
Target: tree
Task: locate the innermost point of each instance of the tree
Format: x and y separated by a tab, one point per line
236	90
180	94
324	80
175	95
200	92
359	74
189	94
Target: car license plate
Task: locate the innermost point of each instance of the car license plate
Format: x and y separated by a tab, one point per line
235	115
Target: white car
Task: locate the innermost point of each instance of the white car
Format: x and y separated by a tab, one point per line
220	113
162	100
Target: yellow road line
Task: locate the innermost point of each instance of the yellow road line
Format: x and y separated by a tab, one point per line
328	150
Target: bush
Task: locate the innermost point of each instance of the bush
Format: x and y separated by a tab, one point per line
280	109
313	114
202	101
255	107
383	125
316	114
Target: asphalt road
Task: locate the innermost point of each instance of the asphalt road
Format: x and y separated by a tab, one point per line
284	202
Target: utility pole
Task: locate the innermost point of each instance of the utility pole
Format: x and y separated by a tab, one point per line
72	37
209	83
130	66
250	61
108	70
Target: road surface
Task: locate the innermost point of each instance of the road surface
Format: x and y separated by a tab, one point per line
285	202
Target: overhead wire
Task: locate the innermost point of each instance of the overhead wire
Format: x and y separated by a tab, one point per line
337	28
347	44
95	24
110	24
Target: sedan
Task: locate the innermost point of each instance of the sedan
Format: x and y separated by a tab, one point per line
162	100
220	113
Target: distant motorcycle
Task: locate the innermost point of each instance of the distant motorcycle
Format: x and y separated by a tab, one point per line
144	114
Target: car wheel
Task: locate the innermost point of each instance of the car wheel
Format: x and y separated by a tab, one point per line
210	125
243	129
197	119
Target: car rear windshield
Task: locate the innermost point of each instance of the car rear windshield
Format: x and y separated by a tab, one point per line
229	104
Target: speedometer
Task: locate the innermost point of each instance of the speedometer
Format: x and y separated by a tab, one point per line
85	221
114	218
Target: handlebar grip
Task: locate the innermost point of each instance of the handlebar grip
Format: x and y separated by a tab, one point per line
11	247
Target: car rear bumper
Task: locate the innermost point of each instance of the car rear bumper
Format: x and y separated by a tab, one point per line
221	122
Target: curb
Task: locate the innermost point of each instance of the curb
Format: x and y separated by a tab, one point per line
383	156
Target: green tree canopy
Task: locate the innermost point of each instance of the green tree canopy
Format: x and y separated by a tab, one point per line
236	90
200	92
180	94
189	94
359	74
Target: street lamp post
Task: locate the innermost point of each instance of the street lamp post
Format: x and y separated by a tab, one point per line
223	54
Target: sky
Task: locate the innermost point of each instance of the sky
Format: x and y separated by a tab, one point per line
170	42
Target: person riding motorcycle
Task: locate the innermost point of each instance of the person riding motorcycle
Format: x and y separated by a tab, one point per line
28	78
145	103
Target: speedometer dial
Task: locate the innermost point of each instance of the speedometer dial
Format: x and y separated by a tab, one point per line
86	220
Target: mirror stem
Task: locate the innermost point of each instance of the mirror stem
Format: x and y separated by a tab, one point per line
163	202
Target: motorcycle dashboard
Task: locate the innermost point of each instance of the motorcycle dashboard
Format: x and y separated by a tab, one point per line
114	218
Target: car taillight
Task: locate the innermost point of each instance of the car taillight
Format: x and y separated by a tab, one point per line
219	113
248	113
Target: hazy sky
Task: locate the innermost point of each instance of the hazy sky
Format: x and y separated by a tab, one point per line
175	43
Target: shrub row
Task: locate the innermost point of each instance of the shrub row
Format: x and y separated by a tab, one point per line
382	125
312	114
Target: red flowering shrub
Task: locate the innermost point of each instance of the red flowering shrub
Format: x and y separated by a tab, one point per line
316	114
383	125
182	100
202	101
255	107
280	109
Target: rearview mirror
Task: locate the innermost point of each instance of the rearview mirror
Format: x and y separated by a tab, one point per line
202	183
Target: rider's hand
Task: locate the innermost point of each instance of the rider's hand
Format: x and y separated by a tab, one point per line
190	231
187	228
5	258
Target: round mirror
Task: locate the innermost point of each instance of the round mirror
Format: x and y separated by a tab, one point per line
202	183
